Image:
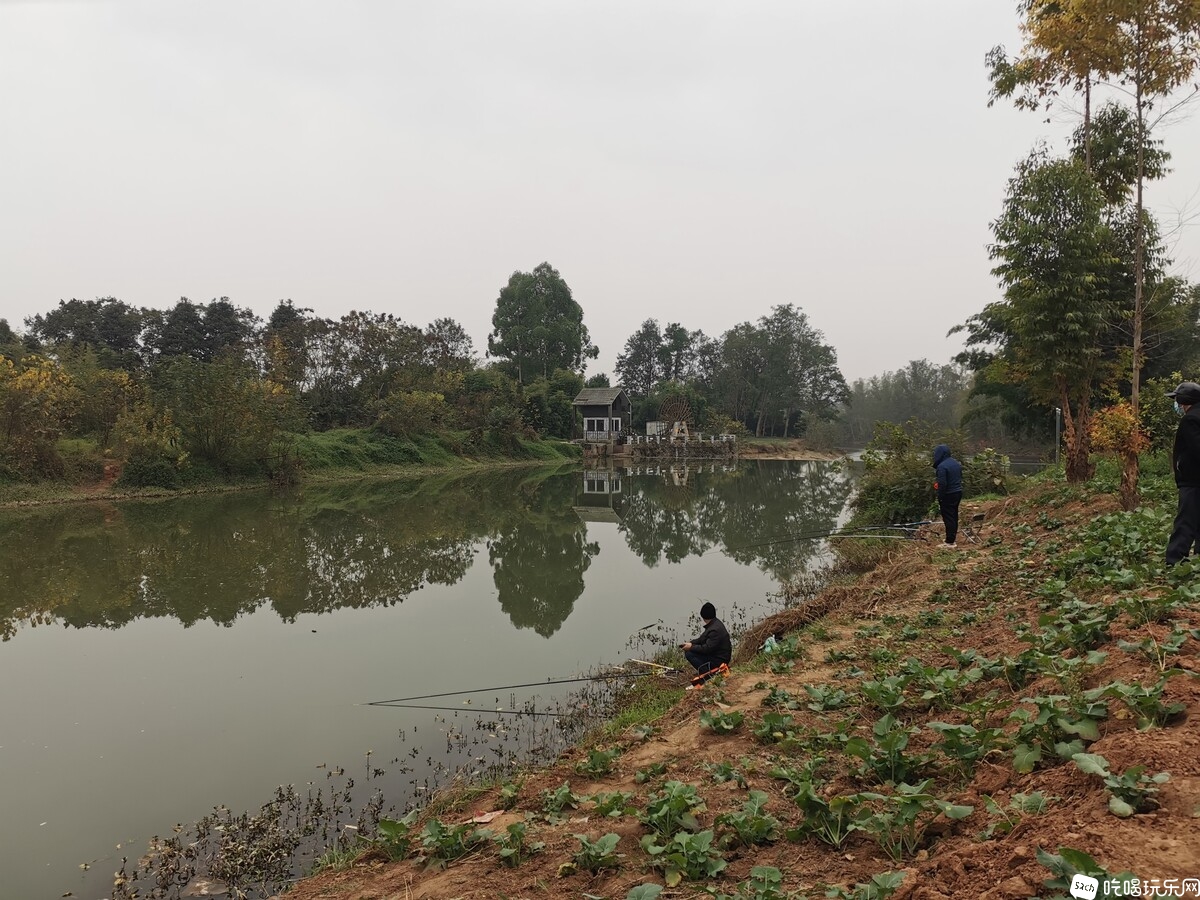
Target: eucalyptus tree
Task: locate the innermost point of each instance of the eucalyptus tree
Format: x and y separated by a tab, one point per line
538	326
639	365
1054	253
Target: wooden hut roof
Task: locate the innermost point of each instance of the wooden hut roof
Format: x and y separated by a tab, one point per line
597	396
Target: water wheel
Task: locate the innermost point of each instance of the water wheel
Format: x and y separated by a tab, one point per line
675	409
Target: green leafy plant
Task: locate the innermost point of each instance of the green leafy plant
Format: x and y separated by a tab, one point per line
1158	651
887	695
823	697
1068	863
775	728
1145	703
555	802
750	825
1131	792
442	844
684	856
778	698
599	854
880	887
395	835
513	849
721	722
613	805
764	883
1059	726
1018	806
598	763
510	792
832	820
673	809
652	771
900	825
966	745
726	771
644	892
884	758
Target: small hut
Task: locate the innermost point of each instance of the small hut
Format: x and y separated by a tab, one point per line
606	412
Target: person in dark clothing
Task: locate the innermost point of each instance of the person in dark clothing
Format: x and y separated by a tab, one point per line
949	490
1185	460
712	648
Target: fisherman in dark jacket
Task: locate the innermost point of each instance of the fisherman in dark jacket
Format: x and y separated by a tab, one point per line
1185	460
712	648
949	490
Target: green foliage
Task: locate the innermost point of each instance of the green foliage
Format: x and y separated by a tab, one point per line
897	481
403	413
652	771
832	820
900	825
825	697
721	722
443	844
884	758
750	825
764	883
555	802
513	849
599	854
1020	805
775	728
684	856
537	326
966	745
726	771
395	835
1061	726
614	805
673	809
1131	792
880	887
1068	863
598	763
1120	550
1145	703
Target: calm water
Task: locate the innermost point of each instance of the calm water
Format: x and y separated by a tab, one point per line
162	658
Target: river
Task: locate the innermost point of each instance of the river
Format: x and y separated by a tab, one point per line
162	658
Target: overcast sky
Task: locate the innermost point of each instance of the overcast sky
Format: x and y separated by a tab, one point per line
688	161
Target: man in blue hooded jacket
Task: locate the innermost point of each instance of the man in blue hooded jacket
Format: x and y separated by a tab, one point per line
949	490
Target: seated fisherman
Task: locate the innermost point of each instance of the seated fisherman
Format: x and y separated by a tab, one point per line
712	649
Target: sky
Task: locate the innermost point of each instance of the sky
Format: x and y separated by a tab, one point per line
694	161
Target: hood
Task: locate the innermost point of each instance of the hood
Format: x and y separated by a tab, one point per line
940	452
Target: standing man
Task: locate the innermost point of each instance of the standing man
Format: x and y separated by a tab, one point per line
1185	460
949	490
712	649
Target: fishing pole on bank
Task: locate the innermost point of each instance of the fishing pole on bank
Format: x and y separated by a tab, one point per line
508	687
909	527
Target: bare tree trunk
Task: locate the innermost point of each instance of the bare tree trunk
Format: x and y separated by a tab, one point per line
1130	469
1078	465
1087	123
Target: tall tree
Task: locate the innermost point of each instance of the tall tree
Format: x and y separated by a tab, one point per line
1053	251
639	365
538	326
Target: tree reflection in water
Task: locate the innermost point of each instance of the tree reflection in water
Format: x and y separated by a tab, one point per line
374	543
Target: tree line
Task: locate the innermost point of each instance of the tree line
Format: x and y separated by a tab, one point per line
212	387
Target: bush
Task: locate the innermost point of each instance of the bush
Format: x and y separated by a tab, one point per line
149	470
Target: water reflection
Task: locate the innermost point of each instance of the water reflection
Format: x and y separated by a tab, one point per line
362	544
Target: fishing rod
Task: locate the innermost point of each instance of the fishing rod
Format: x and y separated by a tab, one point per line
508	687
835	532
469	709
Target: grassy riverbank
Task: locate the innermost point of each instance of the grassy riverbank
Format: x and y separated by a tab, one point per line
337	454
978	722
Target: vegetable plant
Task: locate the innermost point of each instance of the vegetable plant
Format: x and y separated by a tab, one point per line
613	805
884	759
1131	792
832	820
721	722
751	825
899	826
673	809
598	854
556	801
395	836
764	883
513	849
598	763
442	844
684	856
652	771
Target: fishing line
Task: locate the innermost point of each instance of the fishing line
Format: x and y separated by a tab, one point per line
509	687
468	709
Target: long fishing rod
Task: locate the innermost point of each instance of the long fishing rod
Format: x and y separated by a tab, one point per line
469	709
509	687
835	532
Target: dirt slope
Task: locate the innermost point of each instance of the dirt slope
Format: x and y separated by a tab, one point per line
913	605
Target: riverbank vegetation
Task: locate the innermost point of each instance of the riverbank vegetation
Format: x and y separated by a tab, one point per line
985	722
